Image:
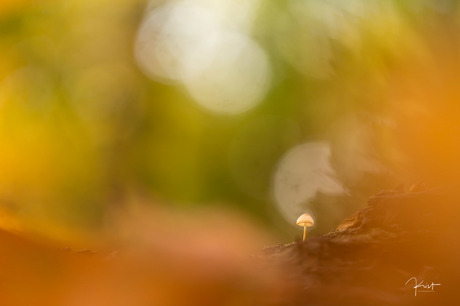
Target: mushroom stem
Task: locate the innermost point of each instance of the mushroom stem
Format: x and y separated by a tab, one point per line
304	232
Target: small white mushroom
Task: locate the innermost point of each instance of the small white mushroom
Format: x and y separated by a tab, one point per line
305	220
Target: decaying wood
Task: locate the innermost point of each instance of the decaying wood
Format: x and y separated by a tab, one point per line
369	258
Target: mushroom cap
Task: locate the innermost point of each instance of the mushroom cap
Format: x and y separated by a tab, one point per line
305	220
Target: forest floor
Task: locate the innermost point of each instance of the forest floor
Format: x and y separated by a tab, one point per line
402	249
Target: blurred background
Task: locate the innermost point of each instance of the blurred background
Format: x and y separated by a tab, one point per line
267	109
